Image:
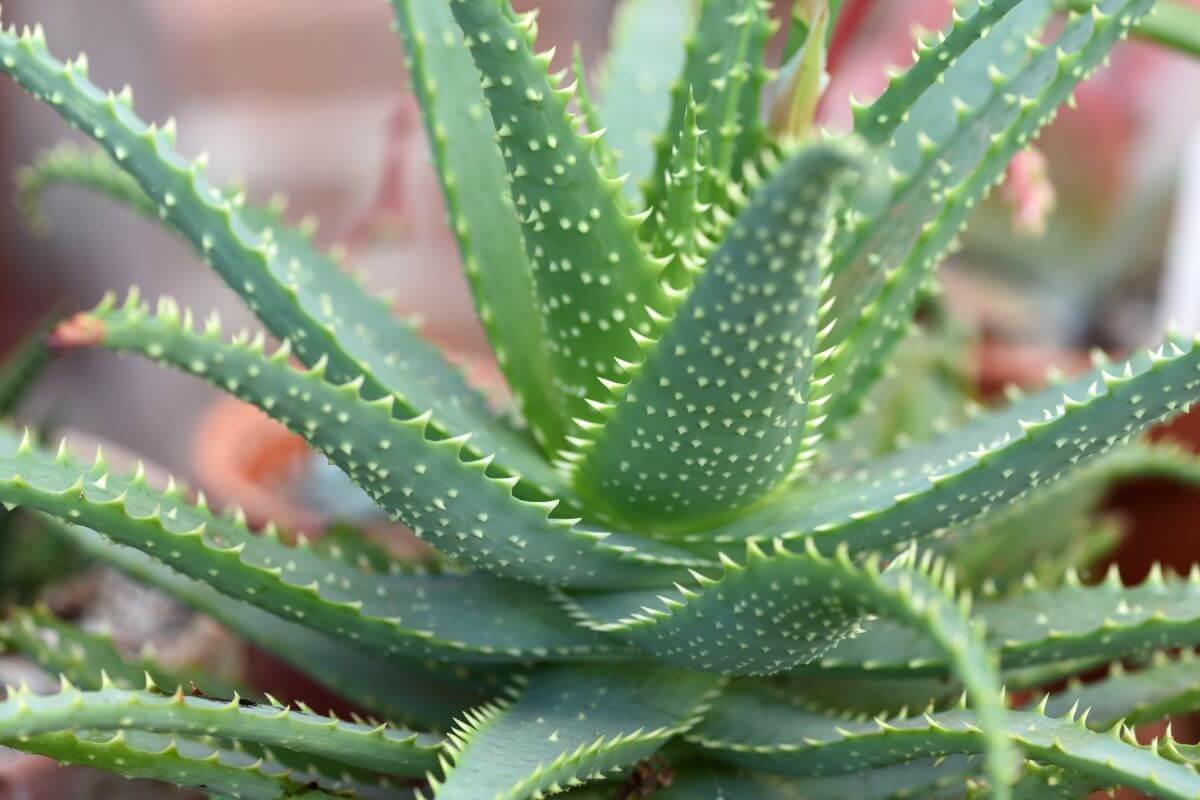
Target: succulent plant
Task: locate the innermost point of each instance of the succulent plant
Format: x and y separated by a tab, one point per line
659	578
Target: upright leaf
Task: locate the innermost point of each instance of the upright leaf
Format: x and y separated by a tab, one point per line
888	257
594	281
482	214
724	71
713	415
643	62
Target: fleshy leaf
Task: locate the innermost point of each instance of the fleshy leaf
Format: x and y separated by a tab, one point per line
877	121
378	748
824	601
443	616
593	278
1144	693
637	79
414	692
183	762
713	416
760	729
455	501
569	725
987	465
60	648
885	260
724	71
1044	626
298	292
481	208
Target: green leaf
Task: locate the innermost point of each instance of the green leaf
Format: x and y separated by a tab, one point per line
1047	783
181	761
1171	24
878	120
887	257
724	71
22	366
606	159
760	729
1045	626
594	280
680	219
1060	530
713	414
89	660
814	603
457	617
455	501
642	64
928	780
477	193
1145	693
298	292
570	725
68	164
376	748
426	694
987	465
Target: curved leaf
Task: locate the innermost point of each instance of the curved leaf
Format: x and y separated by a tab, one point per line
570	725
760	729
438	488
443	616
376	748
593	279
713	415
1036	626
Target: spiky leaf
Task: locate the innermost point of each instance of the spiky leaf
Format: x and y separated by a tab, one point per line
570	725
714	416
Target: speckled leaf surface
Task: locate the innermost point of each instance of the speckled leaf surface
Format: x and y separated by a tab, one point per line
569	725
714	415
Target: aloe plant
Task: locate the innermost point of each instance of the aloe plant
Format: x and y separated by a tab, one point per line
668	578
